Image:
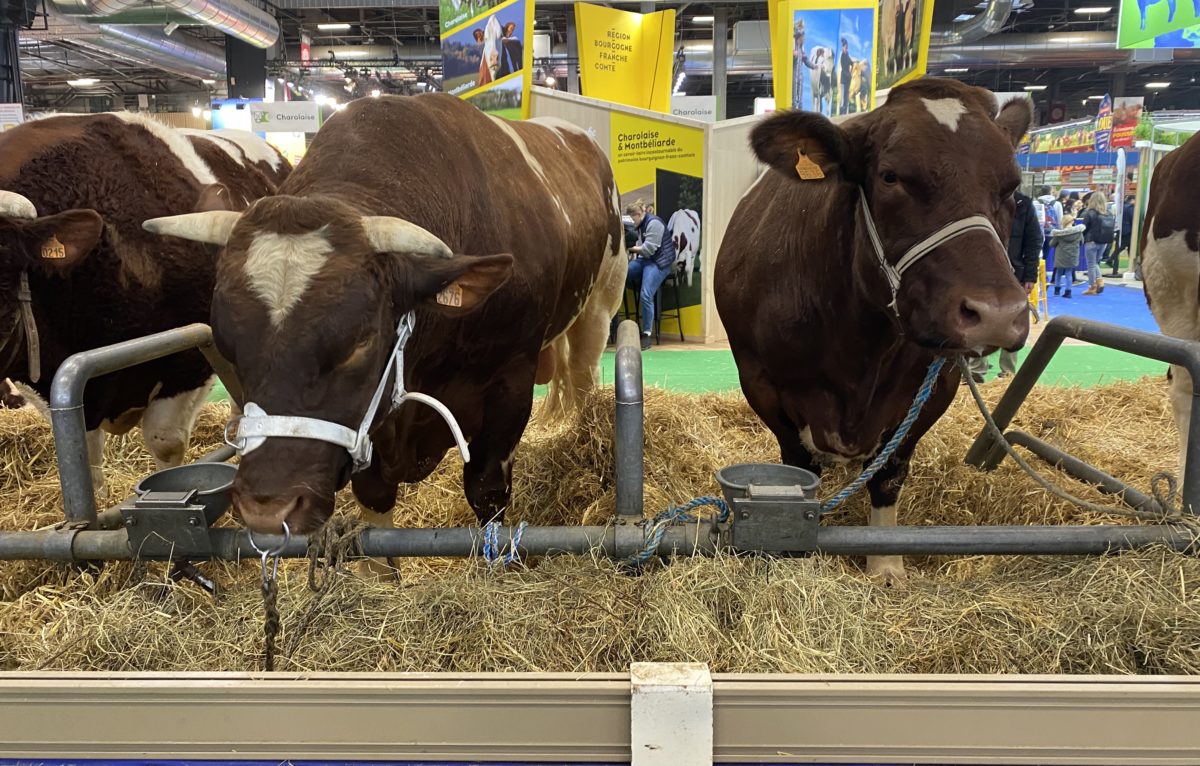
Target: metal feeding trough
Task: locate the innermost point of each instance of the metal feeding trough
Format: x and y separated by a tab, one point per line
774	507
174	508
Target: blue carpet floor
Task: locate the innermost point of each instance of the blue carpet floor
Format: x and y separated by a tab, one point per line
1125	306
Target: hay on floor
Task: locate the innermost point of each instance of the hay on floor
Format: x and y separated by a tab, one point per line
1132	613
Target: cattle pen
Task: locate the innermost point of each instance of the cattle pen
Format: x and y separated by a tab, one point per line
598	717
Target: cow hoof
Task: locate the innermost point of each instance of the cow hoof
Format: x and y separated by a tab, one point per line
887	571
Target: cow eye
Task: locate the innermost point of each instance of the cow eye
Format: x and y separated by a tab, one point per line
890	177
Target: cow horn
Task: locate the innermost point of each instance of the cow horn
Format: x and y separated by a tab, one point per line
13	205
396	235
212	227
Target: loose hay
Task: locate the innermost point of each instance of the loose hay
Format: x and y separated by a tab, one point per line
1133	613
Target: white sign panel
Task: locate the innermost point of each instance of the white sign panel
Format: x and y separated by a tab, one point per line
764	105
11	115
703	108
285	117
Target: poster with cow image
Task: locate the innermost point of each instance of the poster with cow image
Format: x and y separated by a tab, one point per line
489	53
903	31
831	66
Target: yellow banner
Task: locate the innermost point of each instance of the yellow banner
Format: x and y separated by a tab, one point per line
826	54
487	54
625	57
660	163
903	51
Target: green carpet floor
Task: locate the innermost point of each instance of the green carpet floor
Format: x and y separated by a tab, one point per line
714	371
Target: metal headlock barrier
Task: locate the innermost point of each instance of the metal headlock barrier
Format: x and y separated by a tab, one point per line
778	520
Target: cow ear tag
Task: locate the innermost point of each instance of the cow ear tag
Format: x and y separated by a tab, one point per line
451	295
807	169
54	250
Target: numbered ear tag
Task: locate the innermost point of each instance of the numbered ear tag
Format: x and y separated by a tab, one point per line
452	295
54	250
807	169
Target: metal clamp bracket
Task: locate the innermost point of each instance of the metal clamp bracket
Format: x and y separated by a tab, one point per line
775	520
167	525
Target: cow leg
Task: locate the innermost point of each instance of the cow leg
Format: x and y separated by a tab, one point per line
884	489
167	424
487	479
1181	405
588	334
95	448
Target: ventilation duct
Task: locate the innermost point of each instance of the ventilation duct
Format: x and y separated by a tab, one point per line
990	21
236	18
1067	49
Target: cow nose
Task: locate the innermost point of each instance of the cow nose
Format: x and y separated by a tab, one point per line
993	324
267	513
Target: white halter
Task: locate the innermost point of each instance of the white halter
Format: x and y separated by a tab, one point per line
256	426
950	231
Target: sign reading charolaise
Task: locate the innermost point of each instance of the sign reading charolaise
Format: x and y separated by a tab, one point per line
285	117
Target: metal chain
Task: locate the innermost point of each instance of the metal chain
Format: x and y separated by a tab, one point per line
270	590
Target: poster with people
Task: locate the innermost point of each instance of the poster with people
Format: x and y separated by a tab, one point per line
487	58
903	50
832	54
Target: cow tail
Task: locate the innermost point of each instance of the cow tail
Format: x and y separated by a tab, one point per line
562	394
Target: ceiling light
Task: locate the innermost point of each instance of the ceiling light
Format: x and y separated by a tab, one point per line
195	111
551	82
169	29
332	102
956	69
209	82
82	82
1093	9
964	17
320	100
333	27
1035	87
376	93
206	114
698	47
1158	85
1095	98
280	80
703	19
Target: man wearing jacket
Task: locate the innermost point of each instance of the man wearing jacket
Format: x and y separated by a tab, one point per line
1024	249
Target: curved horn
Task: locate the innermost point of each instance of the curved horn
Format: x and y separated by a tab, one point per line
13	205
396	235
212	227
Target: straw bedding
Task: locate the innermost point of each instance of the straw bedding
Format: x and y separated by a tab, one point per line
1132	613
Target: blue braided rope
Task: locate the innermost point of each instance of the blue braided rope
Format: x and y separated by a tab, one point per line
492	550
890	448
678	514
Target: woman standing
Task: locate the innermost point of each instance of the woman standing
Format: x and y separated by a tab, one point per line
1097	235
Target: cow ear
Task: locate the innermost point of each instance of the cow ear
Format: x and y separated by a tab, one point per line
804	146
215	197
56	244
1014	119
454	286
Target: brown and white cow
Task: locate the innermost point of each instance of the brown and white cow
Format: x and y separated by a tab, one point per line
1170	248
504	238
74	191
824	359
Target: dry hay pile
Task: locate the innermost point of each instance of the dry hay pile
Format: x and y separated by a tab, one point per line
1132	613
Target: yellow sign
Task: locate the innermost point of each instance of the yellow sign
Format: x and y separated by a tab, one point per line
661	163
625	57
823	54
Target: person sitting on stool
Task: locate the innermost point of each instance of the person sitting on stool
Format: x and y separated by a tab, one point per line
655	257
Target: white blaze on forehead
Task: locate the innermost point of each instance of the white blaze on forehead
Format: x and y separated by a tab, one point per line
947	111
176	142
279	268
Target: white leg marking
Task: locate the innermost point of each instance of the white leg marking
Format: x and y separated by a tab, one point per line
889	570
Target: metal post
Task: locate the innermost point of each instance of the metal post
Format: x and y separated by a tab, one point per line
1084	471
720	58
628	425
572	53
66	406
985	453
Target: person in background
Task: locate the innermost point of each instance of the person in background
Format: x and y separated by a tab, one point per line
1024	249
845	66
801	59
1066	242
1097	236
1126	233
654	258
1050	214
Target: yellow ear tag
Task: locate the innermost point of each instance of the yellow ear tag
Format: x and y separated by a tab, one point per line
54	250
452	295
807	169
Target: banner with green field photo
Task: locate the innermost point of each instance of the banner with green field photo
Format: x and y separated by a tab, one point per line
487	54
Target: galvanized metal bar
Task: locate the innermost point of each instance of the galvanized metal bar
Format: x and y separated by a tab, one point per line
628	427
692	539
985	453
1084	471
